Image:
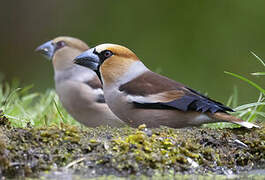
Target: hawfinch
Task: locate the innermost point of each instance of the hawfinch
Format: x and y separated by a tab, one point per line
79	88
139	96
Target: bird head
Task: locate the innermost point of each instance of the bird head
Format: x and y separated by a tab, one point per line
109	61
62	50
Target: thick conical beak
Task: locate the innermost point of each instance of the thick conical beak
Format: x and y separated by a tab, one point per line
88	59
47	49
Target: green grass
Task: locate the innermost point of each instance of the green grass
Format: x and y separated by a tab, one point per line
25	108
254	110
251	112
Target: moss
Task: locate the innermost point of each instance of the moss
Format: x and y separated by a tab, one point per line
127	151
3	120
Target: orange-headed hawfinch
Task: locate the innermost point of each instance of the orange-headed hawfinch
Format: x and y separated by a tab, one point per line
139	96
79	88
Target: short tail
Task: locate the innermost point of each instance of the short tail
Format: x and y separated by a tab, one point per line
229	118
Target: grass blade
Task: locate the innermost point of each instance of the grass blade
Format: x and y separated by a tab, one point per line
258	74
60	114
248	81
246	106
261	61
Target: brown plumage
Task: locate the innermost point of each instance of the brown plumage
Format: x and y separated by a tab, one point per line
94	83
139	96
149	83
78	88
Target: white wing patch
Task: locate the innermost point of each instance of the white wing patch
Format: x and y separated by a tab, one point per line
154	98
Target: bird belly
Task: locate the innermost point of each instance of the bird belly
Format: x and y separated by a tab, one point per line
78	99
152	118
171	118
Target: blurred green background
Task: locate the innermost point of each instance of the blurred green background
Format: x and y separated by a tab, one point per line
193	42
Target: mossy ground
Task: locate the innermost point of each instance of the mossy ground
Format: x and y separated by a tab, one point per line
127	151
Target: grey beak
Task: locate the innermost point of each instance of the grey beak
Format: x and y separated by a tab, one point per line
47	49
88	59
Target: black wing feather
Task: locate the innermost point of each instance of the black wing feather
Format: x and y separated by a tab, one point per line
205	101
193	101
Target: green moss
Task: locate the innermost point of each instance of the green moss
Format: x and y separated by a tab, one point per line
127	151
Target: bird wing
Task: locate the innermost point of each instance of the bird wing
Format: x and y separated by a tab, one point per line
96	87
153	91
94	83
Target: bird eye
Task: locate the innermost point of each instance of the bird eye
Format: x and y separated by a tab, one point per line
107	53
60	44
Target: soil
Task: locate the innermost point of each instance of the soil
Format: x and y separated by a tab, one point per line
28	152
